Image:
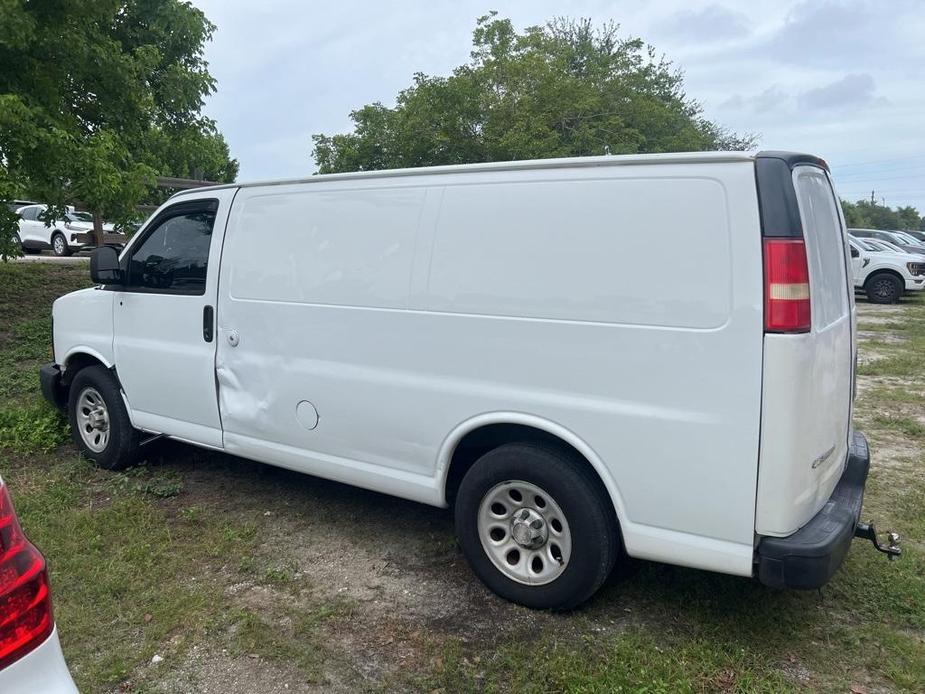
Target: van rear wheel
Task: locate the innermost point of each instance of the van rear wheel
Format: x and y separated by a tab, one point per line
100	424
535	526
883	288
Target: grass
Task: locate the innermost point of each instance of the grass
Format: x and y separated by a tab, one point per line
35	426
633	661
126	577
297	643
908	426
27	423
187	551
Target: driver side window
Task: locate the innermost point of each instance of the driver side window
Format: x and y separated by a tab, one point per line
173	257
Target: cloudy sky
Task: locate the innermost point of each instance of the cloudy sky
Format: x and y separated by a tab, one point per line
842	79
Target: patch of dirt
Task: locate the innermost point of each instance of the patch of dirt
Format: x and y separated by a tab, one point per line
796	671
868	355
394	564
208	671
866	383
871	312
892	452
880	336
396	561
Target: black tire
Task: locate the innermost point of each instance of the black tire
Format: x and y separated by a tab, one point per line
595	536
59	249
883	288
121	450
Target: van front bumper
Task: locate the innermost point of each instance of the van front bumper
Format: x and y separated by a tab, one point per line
53	389
810	557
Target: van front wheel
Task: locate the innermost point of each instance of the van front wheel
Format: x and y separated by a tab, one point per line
884	288
535	526
100	424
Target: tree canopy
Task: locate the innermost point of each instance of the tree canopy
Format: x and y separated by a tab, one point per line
564	89
865	214
97	97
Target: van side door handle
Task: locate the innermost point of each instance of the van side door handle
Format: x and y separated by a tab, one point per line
208	321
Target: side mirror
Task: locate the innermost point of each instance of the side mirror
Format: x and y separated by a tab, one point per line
104	266
854	252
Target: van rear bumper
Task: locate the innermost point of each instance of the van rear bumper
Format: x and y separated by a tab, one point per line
810	557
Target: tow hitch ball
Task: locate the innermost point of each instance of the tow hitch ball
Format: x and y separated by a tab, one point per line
869	532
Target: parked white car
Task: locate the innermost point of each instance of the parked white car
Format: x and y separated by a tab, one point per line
884	275
30	653
61	237
880	245
506	339
907	243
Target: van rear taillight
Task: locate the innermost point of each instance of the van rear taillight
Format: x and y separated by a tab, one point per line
786	286
25	601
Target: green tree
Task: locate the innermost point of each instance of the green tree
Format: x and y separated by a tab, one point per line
97	97
865	214
564	89
854	217
908	217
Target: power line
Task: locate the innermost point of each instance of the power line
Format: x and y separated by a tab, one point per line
881	170
901	177
893	191
877	161
904	198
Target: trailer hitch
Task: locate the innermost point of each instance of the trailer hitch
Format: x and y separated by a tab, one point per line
867	531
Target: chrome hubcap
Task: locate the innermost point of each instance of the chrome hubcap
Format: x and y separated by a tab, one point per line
59	244
529	529
93	419
524	532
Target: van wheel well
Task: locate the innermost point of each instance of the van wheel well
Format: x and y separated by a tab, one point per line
479	441
76	363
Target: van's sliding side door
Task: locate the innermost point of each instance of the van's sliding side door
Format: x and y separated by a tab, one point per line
164	318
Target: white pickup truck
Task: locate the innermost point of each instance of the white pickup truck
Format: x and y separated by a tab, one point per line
884	274
508	340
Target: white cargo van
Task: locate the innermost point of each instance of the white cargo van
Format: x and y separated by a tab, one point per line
651	354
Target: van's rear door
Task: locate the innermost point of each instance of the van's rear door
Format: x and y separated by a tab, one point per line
808	375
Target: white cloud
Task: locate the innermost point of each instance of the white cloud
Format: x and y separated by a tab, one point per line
832	33
771	99
851	90
705	24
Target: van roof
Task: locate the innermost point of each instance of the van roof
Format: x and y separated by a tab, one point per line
527	165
